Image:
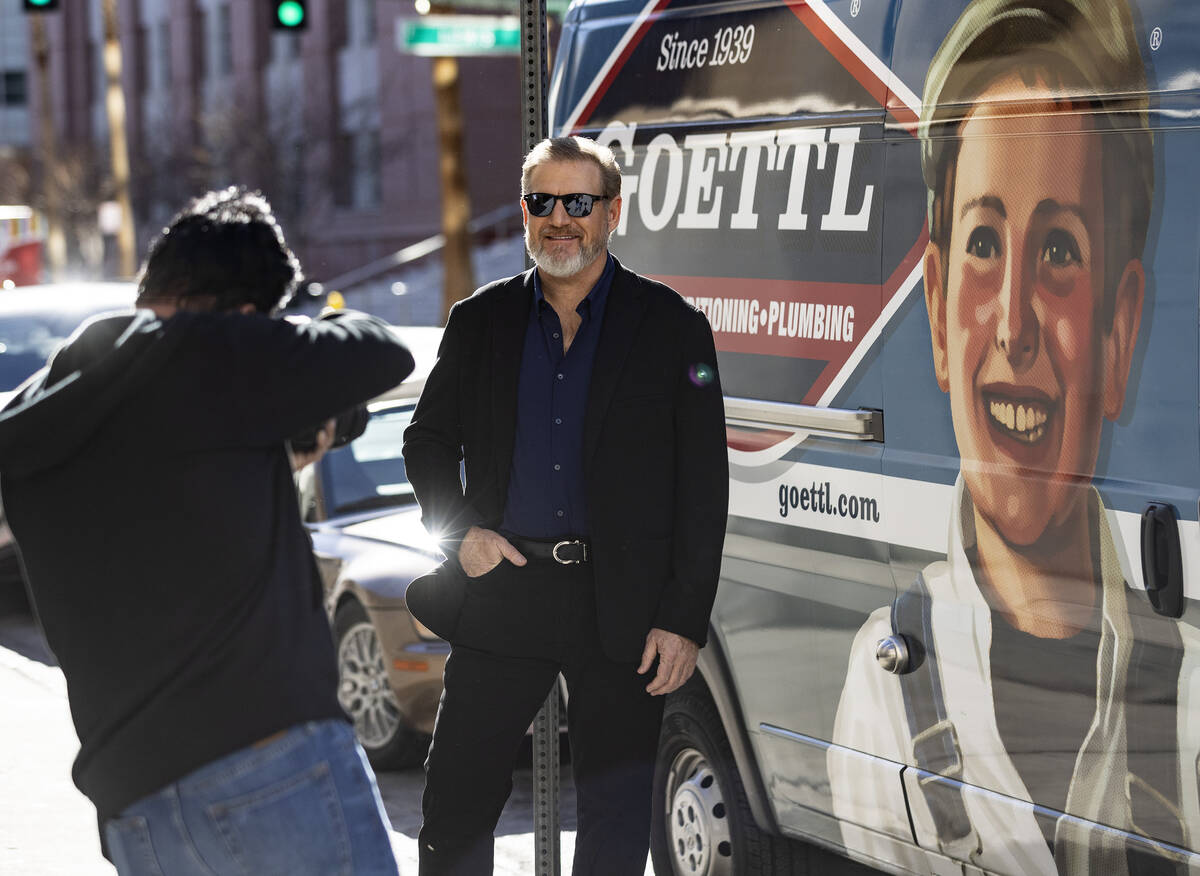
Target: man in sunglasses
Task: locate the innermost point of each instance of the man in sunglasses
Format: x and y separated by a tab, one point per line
587	537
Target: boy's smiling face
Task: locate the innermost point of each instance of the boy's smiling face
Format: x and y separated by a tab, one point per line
1018	334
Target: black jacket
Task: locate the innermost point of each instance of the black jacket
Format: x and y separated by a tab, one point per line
148	489
655	463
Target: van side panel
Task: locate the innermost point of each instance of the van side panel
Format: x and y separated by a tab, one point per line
1041	393
980	220
762	203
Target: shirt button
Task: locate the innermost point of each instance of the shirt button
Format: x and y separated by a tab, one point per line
557	467
558	421
556	334
560	377
559	513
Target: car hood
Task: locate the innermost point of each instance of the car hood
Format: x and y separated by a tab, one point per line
402	528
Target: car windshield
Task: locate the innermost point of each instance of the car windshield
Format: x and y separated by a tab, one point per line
27	340
369	472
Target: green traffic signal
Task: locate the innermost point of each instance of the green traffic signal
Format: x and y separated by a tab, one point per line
290	15
40	5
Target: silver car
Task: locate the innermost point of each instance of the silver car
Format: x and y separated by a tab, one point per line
369	543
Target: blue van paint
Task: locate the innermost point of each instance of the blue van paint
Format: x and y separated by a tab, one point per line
1153	418
779	608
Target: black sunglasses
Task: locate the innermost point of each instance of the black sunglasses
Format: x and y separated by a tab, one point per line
577	204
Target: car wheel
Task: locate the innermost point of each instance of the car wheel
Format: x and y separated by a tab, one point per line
367	696
701	823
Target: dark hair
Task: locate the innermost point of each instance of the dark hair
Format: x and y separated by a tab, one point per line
222	251
575	149
1085	53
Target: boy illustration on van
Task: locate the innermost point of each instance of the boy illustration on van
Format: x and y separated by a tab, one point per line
1039	683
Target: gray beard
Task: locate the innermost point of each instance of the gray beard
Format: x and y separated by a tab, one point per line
564	266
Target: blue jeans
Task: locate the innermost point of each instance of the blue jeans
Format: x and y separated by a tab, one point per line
304	802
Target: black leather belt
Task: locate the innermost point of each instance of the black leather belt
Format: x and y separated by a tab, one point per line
567	551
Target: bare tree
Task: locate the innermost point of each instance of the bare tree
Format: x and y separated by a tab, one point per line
15	177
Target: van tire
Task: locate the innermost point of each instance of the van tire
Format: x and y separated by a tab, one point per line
701	824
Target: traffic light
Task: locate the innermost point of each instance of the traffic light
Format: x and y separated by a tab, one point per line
288	15
41	5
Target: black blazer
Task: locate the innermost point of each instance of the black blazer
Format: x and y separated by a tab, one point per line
655	463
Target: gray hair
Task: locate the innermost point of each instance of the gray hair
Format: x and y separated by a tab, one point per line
564	149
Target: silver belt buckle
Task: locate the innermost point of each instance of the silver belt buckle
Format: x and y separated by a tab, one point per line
558	559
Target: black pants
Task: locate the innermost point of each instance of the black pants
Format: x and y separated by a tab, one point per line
497	676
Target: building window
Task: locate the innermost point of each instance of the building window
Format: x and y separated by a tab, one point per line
359	183
15	91
224	42
141	73
285	46
164	55
370	178
343	170
357	179
97	74
360	22
297	170
368	21
200	43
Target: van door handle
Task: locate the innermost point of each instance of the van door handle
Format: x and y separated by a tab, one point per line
1162	561
892	654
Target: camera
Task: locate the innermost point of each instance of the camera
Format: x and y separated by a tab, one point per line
350	424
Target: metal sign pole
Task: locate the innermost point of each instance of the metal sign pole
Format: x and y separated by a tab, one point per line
546	852
533	71
547	856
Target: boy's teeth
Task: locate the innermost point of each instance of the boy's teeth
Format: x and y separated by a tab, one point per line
1026	420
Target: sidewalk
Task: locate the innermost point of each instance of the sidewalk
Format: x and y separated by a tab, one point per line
47	828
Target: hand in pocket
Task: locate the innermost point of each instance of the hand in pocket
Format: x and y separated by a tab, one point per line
483	550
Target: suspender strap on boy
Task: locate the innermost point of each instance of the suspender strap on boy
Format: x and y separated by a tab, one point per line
935	748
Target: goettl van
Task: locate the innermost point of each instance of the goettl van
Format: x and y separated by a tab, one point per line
948	250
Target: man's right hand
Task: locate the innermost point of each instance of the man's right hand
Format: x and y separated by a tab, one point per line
483	550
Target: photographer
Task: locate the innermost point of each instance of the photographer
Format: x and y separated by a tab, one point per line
149	489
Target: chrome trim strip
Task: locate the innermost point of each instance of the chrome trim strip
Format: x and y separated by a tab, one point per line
860	425
792	735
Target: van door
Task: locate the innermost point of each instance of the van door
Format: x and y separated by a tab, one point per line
751	138
1042	392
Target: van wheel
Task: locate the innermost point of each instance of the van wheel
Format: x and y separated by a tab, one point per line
701	823
367	696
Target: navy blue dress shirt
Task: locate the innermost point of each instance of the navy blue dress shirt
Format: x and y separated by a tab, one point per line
545	489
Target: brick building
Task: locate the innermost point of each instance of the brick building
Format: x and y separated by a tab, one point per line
334	124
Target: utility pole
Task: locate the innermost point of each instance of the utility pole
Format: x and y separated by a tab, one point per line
114	103
56	242
458	273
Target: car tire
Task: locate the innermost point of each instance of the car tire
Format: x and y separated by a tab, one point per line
367	696
701	824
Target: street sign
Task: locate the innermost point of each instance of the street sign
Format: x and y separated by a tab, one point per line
553	7
458	35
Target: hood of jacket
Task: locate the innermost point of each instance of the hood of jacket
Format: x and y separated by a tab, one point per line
58	409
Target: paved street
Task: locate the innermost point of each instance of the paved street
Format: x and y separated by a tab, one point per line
48	828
